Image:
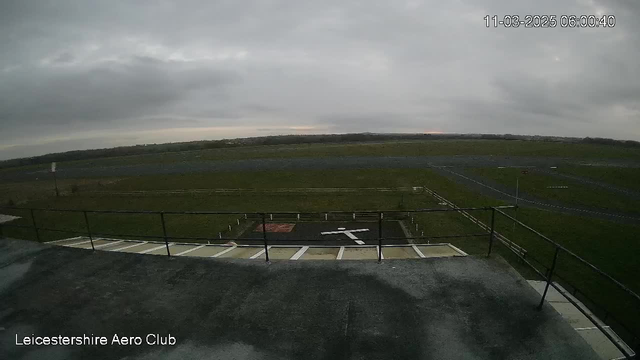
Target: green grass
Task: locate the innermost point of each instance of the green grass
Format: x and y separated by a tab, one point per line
203	226
23	192
192	225
607	245
393	148
535	184
628	178
275	179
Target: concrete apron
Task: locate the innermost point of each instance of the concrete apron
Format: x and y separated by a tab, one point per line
276	252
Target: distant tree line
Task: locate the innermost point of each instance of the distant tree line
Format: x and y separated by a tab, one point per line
605	141
286	140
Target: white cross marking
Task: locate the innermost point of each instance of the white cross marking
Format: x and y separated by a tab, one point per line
349	234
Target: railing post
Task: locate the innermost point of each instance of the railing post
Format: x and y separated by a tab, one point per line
264	237
86	221
493	223
35	227
379	237
164	233
546	288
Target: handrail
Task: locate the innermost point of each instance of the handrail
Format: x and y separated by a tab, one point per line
585	262
215	212
261	216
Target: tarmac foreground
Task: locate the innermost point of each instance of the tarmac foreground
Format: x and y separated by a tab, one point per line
432	308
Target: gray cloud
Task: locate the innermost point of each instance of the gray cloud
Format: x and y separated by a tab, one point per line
63	58
75	70
108	92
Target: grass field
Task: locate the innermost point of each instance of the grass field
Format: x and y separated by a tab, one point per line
610	246
182	225
581	234
628	178
24	192
201	226
276	179
409	148
537	184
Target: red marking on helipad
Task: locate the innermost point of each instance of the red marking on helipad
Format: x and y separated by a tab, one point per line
276	228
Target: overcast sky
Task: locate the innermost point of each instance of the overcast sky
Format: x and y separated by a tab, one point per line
90	74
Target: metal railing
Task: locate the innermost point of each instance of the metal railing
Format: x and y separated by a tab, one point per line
629	336
372	216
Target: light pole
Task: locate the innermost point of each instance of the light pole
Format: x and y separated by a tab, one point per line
515	216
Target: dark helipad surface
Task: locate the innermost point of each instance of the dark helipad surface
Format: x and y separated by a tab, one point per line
310	233
451	308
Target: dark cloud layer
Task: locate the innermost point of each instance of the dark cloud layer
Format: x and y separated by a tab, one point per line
80	74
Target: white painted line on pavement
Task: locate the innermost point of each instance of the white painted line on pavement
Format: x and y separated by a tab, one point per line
415	248
458	250
155	248
223	252
109	243
190	250
57	241
299	254
591	328
259	253
128	246
78	243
